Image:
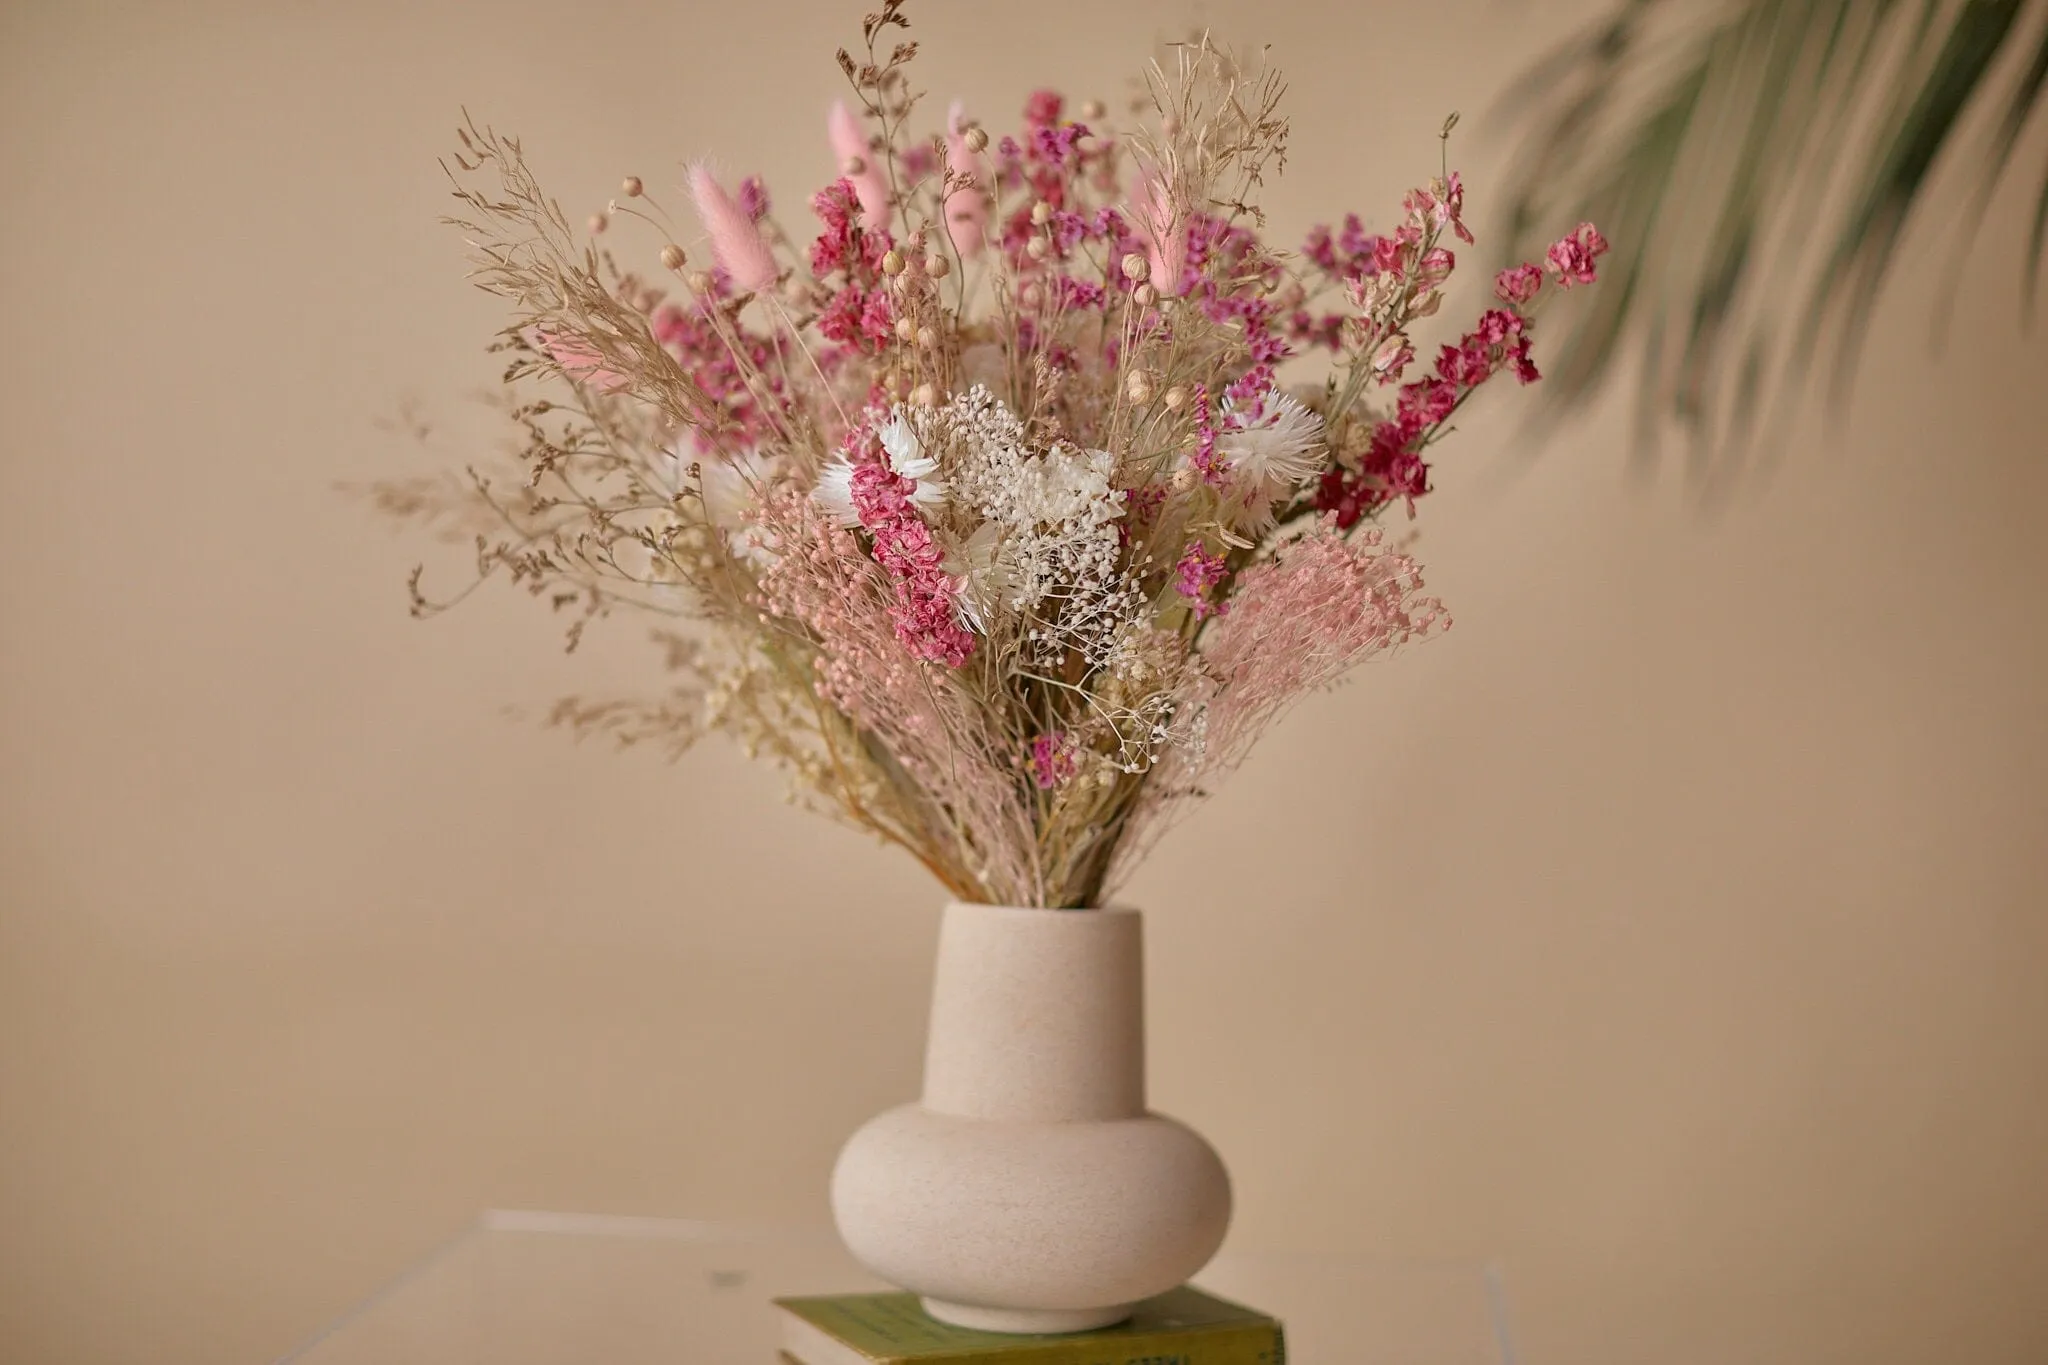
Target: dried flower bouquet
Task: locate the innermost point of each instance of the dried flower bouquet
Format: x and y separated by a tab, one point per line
992	517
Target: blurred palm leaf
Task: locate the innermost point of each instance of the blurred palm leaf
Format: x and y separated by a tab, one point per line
1754	163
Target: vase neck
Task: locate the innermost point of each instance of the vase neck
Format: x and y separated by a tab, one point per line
1037	1015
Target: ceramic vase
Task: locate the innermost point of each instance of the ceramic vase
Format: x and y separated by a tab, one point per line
1030	1190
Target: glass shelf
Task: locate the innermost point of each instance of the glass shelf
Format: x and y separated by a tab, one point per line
577	1289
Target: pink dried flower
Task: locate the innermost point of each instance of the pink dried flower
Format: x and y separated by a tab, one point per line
1572	257
1387	258
858	317
1435	267
754	198
717	357
846	244
1056	143
1196	576
1052	760
735	240
1392	358
925	613
1203	460
1454	206
1519	284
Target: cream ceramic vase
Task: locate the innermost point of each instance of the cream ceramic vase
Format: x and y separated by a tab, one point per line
1030	1190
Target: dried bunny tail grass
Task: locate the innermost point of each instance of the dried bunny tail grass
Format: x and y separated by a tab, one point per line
735	240
857	161
522	249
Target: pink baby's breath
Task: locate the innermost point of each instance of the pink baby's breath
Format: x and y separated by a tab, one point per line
1303	620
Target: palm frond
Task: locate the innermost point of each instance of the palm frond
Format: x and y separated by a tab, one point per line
1755	164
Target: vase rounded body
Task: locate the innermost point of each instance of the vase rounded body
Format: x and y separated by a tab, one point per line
1030	1189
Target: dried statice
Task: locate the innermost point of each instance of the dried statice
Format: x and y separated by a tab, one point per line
984	494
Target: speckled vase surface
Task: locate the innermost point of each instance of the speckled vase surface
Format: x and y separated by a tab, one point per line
1030	1190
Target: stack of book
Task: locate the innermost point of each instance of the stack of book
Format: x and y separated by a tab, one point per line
1183	1327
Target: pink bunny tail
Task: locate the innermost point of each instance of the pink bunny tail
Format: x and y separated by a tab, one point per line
850	144
577	359
966	209
1166	239
735	241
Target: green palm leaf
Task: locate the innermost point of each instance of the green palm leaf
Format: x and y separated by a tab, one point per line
1755	164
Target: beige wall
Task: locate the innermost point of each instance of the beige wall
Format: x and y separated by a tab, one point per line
1673	929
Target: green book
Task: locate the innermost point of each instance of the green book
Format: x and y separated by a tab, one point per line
1182	1327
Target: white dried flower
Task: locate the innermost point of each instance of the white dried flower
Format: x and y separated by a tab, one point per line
983	577
834	492
907	459
1056	553
1273	447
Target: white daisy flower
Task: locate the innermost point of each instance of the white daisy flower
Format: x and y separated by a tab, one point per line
1273	447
